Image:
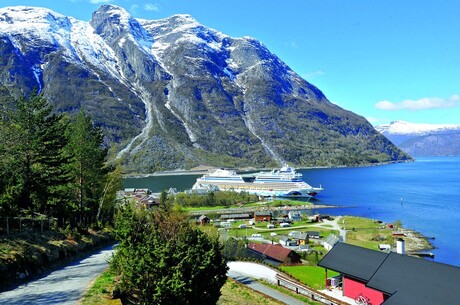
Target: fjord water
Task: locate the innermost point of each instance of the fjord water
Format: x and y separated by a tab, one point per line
424	195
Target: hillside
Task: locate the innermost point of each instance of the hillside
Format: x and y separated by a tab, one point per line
174	94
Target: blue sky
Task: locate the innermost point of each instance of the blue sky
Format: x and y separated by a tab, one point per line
383	59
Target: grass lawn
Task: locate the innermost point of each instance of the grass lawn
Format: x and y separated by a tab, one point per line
311	276
99	291
366	233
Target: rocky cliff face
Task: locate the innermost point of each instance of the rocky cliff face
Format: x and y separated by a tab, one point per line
173	93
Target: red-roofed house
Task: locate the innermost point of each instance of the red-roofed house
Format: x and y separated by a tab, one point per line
276	252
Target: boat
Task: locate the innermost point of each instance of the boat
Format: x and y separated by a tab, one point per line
283	182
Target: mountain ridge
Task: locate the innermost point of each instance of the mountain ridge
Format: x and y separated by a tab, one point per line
172	93
423	140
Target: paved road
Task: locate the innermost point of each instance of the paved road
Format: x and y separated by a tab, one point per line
67	285
64	286
245	272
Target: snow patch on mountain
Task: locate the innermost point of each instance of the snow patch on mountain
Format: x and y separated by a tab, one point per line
406	128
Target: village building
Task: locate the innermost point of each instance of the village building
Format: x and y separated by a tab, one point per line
330	241
294	216
288	241
204	220
275	254
313	234
142	197
262	216
235	216
301	238
391	278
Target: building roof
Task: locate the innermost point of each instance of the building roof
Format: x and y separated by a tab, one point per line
263	213
353	261
408	280
203	217
276	252
331	240
412	280
230	216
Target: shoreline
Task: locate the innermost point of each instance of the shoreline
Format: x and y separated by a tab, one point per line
201	170
416	244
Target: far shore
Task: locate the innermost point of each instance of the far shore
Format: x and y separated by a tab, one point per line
201	170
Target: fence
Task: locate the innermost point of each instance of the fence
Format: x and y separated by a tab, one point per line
9	225
303	290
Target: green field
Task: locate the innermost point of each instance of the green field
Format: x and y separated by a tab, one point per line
311	276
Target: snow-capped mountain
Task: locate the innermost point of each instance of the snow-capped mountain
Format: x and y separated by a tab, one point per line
423	139
406	128
172	93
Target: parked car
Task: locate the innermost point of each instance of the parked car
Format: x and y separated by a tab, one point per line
242	226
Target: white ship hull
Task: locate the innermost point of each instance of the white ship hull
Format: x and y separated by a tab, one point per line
275	184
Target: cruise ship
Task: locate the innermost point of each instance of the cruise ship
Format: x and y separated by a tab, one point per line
283	182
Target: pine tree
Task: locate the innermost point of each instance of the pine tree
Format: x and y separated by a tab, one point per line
87	167
31	152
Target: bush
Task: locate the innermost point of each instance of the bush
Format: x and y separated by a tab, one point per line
162	259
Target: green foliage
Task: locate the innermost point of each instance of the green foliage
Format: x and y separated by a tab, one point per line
162	259
31	148
52	166
212	199
234	249
86	167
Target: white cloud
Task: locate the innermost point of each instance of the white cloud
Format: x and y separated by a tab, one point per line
313	74
421	104
151	7
291	44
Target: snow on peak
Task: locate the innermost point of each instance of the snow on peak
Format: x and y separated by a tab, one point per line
121	18
404	128
114	12
20	19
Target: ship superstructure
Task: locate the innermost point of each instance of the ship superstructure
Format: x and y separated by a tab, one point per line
283	182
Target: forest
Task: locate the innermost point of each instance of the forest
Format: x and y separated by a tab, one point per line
53	166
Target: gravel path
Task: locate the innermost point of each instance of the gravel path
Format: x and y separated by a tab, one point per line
64	286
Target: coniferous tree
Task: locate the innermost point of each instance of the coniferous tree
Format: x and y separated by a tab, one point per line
163	259
31	153
87	167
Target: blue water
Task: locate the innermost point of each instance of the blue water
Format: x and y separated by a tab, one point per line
424	195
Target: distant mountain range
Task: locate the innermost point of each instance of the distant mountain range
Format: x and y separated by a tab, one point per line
174	94
421	140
